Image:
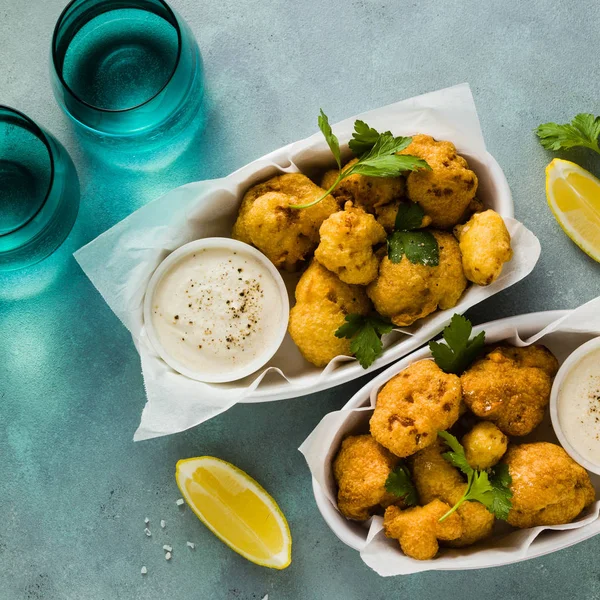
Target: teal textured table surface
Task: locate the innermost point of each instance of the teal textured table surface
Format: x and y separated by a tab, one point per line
74	488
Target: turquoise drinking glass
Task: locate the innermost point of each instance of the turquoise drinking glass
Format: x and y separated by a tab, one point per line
39	191
128	72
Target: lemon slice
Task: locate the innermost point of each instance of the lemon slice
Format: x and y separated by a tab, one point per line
236	509
574	197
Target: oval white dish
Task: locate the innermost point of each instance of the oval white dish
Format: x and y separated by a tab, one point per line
121	261
321	446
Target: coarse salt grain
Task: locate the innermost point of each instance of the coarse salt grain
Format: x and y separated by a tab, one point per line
147	532
163	524
167	548
144	570
180	502
191	545
168	556
146	520
266	597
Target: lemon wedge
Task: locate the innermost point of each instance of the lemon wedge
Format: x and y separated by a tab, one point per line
236	509
574	197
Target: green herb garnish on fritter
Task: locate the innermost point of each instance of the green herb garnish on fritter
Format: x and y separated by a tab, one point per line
400	484
365	334
582	131
491	488
420	247
457	354
379	159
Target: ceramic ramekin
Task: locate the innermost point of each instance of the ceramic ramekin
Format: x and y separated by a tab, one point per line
229	245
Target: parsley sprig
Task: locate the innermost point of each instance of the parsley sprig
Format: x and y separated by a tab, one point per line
583	130
491	488
420	247
400	484
365	333
378	155
457	354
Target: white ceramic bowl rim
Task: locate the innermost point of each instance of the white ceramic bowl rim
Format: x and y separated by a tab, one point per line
563	372
196	246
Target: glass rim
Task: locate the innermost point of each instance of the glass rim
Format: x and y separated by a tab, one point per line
41	135
59	72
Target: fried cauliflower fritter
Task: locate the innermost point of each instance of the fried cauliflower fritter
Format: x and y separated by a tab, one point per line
406	292
485	246
418	529
287	236
548	486
368	193
434	477
413	406
446	192
346	246
484	445
511	387
322	302
361	469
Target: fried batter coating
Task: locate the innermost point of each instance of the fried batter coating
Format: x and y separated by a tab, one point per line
548	486
322	302
485	246
434	477
406	292
368	193
418	529
346	246
511	387
361	469
446	192
286	235
413	406
484	445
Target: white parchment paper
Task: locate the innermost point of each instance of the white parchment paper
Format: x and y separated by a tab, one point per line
507	545
121	261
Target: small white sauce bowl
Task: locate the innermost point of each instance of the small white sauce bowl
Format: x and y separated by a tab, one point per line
563	372
230	245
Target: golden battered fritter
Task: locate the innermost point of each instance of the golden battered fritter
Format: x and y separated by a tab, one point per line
485	246
361	469
511	387
413	406
322	302
434	477
346	246
287	236
418	529
445	193
406	292
548	486
484	445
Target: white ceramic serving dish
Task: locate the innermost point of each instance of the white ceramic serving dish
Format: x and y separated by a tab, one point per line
355	534
565	370
120	262
229	245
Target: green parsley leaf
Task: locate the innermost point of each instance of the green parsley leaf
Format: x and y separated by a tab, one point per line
583	130
364	138
459	351
332	141
380	160
420	247
400	484
501	481
493	491
409	216
456	457
365	334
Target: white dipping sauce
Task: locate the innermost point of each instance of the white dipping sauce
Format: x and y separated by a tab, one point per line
217	310
579	406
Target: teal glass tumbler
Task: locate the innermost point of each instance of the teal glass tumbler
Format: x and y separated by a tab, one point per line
39	191
128	72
